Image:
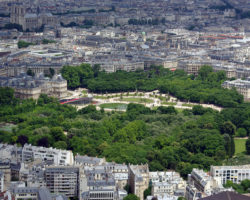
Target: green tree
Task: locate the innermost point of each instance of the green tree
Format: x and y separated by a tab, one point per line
181	198
57	133
167	110
228	128
131	197
22	139
23	44
88	109
44	142
204	72
60	145
147	192
241	132
30	72
6	96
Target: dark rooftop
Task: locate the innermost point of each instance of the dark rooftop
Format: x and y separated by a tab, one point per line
226	196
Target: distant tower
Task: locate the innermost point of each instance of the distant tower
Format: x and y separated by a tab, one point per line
17	13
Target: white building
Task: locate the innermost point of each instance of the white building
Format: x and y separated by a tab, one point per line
236	174
166	184
242	86
103	190
51	155
203	181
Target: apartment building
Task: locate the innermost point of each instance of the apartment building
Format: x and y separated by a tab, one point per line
103	190
5	170
236	174
230	70
31	193
122	65
63	180
167	183
88	161
49	155
203	181
138	179
242	86
191	67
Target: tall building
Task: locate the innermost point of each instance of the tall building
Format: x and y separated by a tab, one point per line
18	11
63	180
28	19
138	179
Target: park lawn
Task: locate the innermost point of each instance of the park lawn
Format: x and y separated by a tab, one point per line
169	103
100	97
118	106
105	97
240	145
137	100
187	105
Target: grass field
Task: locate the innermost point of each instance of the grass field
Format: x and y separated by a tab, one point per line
187	105
138	100
240	145
169	103
116	106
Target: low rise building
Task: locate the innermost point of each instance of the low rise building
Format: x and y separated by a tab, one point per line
26	193
103	189
191	67
49	155
242	86
167	183
31	87
88	161
236	174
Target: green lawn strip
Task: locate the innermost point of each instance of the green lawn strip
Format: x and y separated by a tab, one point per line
240	145
169	103
187	105
137	100
118	106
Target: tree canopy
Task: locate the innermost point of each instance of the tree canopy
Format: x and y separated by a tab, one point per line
206	88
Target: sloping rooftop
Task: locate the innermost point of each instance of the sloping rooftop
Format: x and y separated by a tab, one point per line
226	196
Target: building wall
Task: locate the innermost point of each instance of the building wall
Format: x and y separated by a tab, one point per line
138	179
63	181
236	174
